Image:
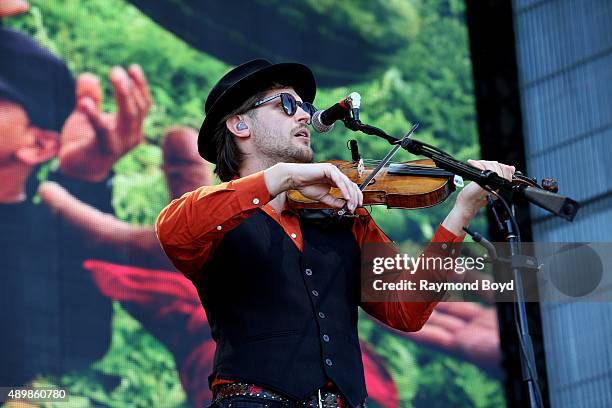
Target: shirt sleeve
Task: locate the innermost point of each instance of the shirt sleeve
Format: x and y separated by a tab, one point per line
402	315
189	228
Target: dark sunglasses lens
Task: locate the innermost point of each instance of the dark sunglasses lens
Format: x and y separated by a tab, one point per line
289	104
309	108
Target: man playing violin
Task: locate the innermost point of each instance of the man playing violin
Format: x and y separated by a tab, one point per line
281	291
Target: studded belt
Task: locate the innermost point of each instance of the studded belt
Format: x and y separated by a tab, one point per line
322	399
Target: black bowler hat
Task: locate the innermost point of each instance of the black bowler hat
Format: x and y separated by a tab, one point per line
243	82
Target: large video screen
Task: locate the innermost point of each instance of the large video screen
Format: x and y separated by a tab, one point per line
100	106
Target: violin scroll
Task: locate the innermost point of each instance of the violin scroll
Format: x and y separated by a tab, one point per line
548	184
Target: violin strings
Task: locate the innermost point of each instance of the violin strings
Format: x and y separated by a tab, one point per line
413	166
376	161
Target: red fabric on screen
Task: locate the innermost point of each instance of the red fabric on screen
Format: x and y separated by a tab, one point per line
379	383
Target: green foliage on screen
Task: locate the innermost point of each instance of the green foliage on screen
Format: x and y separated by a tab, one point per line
145	369
386	24
428	378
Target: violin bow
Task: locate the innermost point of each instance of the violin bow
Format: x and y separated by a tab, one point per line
400	143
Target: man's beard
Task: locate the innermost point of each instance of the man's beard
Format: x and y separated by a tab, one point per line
276	149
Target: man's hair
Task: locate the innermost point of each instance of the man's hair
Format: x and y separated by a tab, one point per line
229	157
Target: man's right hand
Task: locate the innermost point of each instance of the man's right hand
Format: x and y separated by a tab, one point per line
314	181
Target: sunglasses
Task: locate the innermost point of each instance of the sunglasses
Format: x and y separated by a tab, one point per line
289	104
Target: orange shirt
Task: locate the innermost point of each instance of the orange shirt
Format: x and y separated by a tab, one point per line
190	228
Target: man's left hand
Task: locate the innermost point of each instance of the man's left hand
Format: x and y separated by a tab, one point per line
92	140
473	197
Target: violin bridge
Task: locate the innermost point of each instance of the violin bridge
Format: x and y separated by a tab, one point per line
360	168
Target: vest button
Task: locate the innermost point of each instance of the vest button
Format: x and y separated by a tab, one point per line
293	235
329	362
322	315
315	293
256	201
308	272
325	338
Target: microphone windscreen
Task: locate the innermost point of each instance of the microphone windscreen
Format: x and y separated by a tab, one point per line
575	270
319	126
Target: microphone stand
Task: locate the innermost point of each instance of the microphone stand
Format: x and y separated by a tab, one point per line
557	204
528	366
507	192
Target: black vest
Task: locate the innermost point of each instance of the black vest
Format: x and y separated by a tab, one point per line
281	318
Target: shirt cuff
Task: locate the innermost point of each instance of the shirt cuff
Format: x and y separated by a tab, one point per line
253	190
444	235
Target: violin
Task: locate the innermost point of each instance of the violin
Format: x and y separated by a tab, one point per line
427	182
408	185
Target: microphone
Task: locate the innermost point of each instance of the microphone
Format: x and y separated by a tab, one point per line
323	120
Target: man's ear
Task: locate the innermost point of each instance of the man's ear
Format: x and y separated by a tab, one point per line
45	147
238	125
